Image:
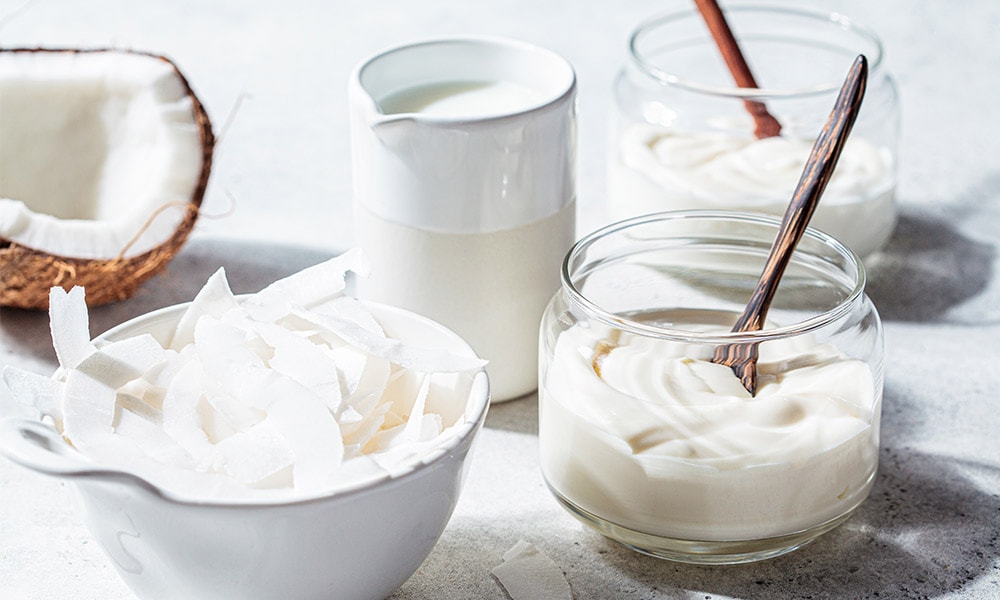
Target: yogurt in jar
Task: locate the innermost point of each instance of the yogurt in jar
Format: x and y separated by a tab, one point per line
655	169
652	436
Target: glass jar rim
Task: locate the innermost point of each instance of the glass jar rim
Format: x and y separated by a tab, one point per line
853	263
836	19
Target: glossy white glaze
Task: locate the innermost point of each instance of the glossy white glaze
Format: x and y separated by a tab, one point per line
462	174
466	212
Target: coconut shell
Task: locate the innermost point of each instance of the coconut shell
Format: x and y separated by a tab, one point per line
27	274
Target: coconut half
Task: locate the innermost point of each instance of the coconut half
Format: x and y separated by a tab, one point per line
104	159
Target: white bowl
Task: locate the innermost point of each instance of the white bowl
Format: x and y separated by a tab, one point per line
355	543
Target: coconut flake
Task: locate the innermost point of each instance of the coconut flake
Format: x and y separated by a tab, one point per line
307	287
312	432
70	326
88	409
253	455
358	435
350	367
304	362
528	574
43	393
214	299
226	354
351	309
263	396
118	363
131	397
413	429
181	419
90	390
152	440
375	378
427	360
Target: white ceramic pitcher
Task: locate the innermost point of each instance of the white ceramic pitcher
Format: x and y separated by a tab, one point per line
463	156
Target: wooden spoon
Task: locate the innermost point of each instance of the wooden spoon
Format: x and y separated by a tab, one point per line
742	357
765	125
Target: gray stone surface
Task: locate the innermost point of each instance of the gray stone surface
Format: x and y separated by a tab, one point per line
931	526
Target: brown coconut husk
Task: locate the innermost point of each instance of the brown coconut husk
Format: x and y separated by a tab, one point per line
27	274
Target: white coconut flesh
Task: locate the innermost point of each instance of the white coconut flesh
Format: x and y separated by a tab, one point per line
104	159
92	146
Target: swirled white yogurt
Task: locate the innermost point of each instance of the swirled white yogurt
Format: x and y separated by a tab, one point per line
655	170
654	437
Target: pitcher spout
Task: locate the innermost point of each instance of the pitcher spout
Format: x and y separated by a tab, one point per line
393	130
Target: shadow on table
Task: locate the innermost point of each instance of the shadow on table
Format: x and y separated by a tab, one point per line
519	415
927	529
249	267
927	270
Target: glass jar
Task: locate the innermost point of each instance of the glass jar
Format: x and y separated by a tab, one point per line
681	137
646	440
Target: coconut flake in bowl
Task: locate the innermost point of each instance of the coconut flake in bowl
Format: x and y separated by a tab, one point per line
330	431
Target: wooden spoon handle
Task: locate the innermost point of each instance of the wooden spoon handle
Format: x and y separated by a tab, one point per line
816	174
742	357
765	125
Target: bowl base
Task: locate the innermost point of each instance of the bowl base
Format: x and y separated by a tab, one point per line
698	551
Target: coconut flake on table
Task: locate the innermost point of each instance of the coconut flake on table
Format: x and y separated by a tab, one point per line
526	573
292	391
